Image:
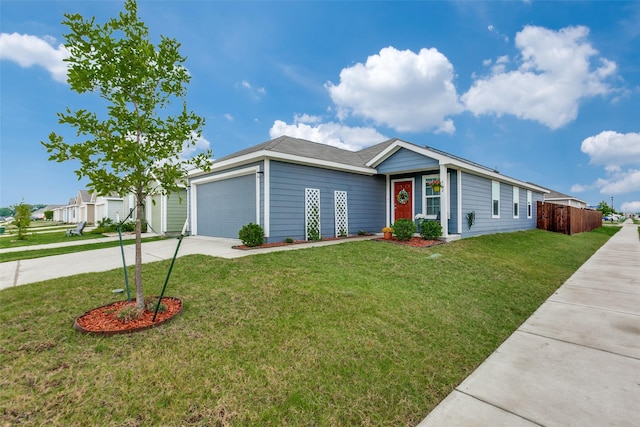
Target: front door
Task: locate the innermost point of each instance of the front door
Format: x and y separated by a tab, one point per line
402	200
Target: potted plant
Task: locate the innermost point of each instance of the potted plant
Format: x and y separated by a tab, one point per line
387	231
436	184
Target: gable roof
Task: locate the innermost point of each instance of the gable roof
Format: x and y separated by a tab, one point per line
365	161
297	150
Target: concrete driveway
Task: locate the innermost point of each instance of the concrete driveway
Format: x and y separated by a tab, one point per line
16	273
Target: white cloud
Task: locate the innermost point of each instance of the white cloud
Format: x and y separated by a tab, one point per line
334	134
228	116
612	149
554	74
189	150
633	207
256	93
403	90
620	183
28	51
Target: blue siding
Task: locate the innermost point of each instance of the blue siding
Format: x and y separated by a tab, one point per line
365	195
406	160
476	196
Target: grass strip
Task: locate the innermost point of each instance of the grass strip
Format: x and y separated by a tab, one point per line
39	253
362	333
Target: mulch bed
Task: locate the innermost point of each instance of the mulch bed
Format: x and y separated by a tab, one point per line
416	242
295	242
103	320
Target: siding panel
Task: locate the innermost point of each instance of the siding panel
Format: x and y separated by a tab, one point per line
406	160
288	181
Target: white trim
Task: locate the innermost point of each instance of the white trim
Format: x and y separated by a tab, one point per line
267	198
163	213
454	163
423	195
226	175
515	199
220	177
493	215
291	158
444	200
388	201
459	181
412	200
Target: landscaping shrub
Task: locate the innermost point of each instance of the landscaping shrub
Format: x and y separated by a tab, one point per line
404	229
251	235
430	230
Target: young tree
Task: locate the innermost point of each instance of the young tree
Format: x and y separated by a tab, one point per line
22	219
136	143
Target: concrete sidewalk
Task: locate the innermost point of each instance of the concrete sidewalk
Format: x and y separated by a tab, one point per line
16	273
574	362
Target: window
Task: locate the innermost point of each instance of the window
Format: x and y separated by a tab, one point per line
495	197
529	204
516	202
431	198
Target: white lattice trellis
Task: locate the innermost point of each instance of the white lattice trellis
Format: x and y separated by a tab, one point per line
312	214
342	214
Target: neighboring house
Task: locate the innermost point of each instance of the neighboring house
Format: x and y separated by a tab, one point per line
89	207
300	189
166	214
67	213
564	199
111	206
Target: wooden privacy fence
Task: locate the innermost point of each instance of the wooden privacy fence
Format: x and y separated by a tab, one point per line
567	219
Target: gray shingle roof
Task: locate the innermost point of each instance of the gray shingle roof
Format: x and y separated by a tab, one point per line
303	148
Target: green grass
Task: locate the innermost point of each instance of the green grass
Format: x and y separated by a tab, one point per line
39	253
361	333
35	238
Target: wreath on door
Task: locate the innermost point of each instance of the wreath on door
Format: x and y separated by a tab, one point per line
402	197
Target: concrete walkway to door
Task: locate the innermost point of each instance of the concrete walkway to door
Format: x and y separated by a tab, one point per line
574	362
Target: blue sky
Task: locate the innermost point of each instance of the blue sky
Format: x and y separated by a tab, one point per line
546	92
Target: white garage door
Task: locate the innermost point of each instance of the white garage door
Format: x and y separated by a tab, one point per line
223	207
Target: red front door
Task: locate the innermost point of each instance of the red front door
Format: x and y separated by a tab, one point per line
403	200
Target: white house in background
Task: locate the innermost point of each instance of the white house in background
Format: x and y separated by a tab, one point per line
108	207
564	199
88	206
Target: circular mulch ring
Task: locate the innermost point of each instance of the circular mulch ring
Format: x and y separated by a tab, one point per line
103	320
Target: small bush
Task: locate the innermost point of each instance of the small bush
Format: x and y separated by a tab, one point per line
128	313
288	240
150	304
251	235
362	233
404	229
430	230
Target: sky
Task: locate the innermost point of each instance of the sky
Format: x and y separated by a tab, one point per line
545	92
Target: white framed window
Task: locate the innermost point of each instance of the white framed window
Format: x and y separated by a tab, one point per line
516	202
529	204
495	199
431	200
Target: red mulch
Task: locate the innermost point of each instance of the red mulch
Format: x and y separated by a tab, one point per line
104	319
295	242
416	242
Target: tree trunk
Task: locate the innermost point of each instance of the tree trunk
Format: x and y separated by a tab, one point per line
139	290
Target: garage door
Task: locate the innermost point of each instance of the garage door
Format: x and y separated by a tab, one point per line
223	207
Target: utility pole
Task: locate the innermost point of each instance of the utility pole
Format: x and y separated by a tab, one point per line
613	210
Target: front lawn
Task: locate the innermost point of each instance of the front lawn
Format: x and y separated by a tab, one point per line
361	333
